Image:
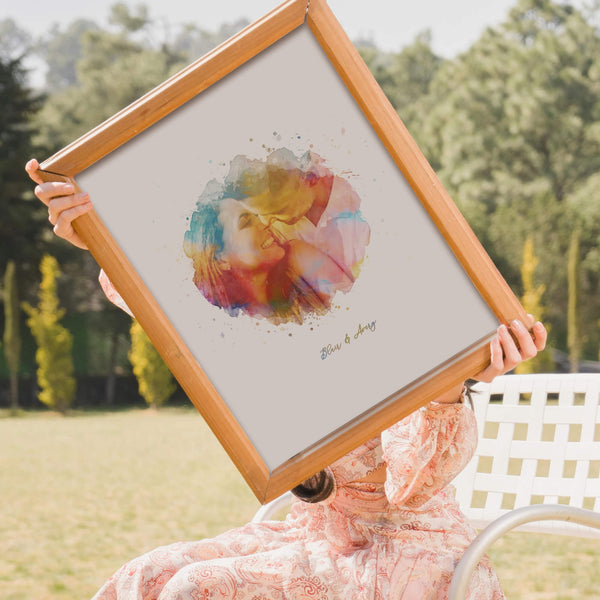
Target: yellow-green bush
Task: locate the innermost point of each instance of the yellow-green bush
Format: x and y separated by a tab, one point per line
54	342
155	381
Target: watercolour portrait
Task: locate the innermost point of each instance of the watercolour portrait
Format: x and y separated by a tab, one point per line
294	280
277	239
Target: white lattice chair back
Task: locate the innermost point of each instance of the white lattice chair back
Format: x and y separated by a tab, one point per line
539	443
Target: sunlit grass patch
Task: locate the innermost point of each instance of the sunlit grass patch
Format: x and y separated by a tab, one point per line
81	495
84	493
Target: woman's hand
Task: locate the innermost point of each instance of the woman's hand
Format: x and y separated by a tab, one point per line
507	350
64	205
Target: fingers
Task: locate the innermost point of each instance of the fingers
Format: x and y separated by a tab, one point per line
63	227
46	192
525	342
496	356
512	346
540	336
64	209
31	167
63	204
512	355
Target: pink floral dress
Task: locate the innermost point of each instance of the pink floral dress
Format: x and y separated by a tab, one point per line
398	540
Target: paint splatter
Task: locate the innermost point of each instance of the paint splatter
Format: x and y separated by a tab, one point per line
277	238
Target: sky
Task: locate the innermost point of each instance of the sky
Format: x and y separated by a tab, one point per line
391	24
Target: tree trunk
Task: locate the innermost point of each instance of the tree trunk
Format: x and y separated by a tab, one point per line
573	317
111	379
14	392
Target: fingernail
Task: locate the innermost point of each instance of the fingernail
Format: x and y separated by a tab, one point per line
68	187
517	324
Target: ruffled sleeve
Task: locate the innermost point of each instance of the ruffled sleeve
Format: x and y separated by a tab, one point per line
426	450
111	293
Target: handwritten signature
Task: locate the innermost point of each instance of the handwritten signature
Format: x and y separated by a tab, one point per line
330	349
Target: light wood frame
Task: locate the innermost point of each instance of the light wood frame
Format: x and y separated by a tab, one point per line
316	15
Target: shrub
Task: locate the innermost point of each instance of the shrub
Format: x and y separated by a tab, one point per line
154	378
54	342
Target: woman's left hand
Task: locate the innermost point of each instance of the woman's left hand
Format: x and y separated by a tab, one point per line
507	350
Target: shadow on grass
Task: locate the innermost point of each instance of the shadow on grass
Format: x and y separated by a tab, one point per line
6	413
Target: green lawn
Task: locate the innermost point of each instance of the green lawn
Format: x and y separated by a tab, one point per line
80	495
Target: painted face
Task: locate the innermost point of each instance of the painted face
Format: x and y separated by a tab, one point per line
248	243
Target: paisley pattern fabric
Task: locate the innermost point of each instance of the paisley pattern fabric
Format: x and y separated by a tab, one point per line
369	541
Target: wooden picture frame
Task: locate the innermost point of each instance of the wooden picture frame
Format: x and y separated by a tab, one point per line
310	26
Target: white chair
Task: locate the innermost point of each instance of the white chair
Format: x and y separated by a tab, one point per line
536	467
537	463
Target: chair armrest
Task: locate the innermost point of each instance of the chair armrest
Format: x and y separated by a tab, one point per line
269	510
503	524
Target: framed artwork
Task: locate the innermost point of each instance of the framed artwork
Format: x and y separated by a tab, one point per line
286	246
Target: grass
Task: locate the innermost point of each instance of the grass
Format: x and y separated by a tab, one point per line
543	567
81	495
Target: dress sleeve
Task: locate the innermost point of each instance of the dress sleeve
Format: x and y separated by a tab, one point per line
426	450
111	293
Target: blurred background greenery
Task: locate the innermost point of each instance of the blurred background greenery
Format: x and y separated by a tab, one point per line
511	126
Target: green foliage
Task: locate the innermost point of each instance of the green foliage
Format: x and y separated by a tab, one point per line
14	41
405	77
96	72
23	217
512	128
54	342
532	303
12	335
61	49
584	205
193	41
112	70
121	16
155	381
574	326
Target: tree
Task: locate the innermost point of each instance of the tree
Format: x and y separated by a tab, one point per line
54	342
14	41
61	49
12	333
193	42
121	16
155	381
574	327
532	303
24	219
406	76
512	127
113	68
585	217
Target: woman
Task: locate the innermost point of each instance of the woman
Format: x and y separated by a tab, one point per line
380	523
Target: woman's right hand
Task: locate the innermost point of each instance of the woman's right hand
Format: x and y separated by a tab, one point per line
64	205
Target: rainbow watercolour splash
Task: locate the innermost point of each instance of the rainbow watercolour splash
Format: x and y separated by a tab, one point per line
277	238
